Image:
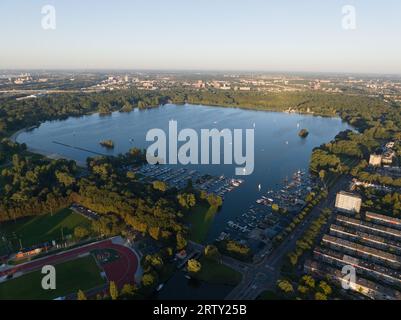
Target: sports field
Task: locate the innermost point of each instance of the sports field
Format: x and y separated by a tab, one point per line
79	274
40	229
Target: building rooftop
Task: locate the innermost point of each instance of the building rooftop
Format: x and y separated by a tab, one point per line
369	226
363	250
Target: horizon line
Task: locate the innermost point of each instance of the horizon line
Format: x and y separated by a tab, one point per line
194	70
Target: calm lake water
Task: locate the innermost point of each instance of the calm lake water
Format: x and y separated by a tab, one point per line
279	151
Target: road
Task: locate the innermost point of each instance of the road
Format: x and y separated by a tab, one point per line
263	275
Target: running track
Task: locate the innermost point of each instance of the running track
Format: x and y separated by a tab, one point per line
121	271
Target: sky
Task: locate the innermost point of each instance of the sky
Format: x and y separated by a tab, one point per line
254	35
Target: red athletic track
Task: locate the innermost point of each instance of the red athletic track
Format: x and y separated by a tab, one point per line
121	271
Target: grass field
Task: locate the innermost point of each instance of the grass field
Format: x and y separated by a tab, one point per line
71	276
40	229
200	218
217	273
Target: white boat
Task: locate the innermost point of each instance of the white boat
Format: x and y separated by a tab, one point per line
159	287
259	187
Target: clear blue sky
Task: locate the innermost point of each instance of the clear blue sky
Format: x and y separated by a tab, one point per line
266	35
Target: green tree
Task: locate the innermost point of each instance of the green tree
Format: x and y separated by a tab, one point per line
160	185
309	281
80	232
128	290
275	207
81	295
326	289
320	296
181	241
211	252
285	286
214	200
148	279
194	266
131	175
186	200
65	178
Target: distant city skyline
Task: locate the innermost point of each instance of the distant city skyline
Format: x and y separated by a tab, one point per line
254	35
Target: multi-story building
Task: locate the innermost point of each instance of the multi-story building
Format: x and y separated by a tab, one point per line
382	219
363	286
362	251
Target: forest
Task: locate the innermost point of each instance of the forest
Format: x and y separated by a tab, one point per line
33	185
360	111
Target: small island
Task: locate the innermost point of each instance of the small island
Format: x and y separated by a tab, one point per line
109	144
303	133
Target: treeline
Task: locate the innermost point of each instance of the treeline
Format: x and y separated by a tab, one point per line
8	148
33	185
234	249
16	115
360	111
382	202
348	144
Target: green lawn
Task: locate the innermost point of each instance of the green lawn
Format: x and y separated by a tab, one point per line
43	228
217	273
200	218
71	276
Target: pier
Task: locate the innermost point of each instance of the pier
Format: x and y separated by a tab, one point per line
79	148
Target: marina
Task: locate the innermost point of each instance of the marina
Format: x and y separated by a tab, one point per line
179	178
270	214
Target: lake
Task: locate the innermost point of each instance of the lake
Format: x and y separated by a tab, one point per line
279	151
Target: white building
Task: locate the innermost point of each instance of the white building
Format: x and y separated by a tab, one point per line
375	160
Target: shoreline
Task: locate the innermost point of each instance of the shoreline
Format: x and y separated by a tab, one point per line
52	156
15	135
55	156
